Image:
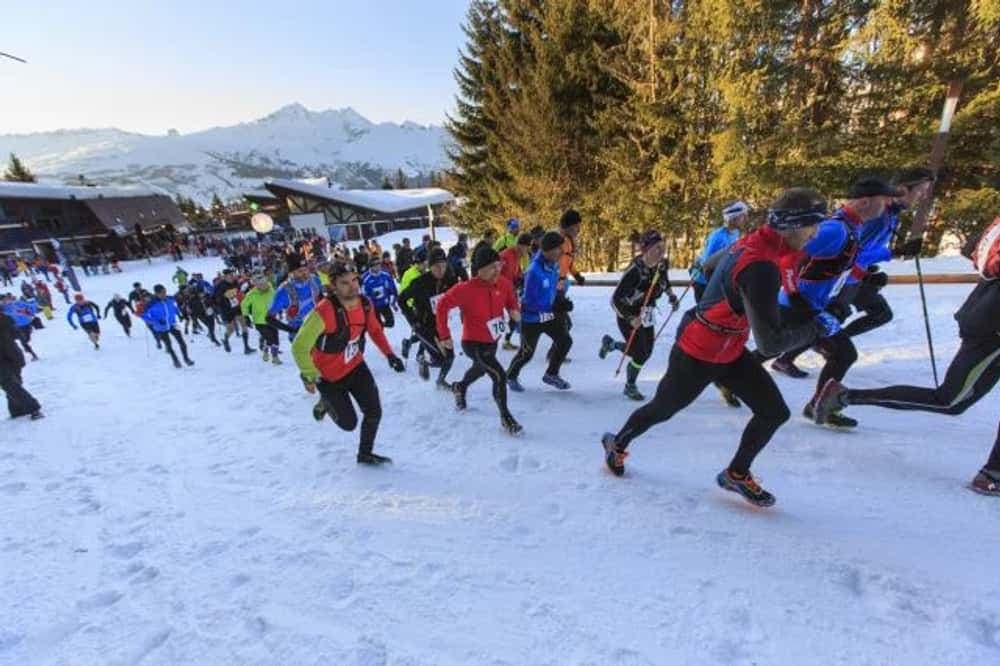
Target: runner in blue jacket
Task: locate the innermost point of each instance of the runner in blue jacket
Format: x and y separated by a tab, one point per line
162	314
87	313
296	297
380	289
539	314
734	220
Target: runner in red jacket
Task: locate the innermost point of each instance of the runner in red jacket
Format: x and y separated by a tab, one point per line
741	297
482	302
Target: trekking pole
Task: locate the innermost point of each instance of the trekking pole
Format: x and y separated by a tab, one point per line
927	321
631	337
146	338
664	324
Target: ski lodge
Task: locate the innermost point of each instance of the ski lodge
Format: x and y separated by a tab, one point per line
82	220
355	215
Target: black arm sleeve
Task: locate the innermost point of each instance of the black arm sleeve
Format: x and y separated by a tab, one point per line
403	297
9	353
758	286
107	308
626	287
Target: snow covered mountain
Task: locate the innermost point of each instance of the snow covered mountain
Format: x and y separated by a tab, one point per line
291	142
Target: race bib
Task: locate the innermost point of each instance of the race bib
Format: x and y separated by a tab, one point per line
434	302
648	317
497	327
352	349
87	317
546	316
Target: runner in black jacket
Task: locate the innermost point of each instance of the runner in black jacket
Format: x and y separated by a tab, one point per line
121	308
632	314
419	305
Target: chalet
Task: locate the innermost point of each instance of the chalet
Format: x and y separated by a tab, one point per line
82	219
354	215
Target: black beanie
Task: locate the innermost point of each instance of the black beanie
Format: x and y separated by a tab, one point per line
551	240
484	256
569	218
437	256
294	262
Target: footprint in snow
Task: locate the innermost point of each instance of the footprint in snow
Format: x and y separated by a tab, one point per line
126	551
99	600
13	488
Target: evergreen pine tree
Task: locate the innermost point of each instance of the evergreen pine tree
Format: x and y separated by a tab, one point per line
17	172
400	182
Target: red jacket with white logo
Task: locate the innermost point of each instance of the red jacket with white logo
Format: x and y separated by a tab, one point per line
482	305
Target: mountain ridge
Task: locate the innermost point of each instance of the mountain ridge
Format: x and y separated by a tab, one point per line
292	141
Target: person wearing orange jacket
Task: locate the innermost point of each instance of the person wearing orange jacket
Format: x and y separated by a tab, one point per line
329	351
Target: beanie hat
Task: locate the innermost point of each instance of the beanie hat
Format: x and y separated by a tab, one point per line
872	187
294	262
551	240
569	218
513	224
734	210
483	256
649	239
437	256
524	239
795	208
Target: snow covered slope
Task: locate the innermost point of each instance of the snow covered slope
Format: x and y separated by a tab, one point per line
291	142
187	516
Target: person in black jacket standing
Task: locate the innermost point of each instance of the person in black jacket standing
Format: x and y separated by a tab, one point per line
19	401
972	374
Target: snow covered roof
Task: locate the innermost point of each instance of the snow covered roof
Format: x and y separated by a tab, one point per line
379	201
67	192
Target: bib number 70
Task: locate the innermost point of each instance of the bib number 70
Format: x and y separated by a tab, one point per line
497	327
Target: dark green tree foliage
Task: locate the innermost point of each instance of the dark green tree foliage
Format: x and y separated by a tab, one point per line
17	172
655	113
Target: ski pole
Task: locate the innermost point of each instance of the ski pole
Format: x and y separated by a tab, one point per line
631	337
927	321
664	324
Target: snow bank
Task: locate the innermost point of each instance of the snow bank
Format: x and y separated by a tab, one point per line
201	516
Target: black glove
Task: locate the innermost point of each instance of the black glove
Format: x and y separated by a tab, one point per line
839	310
910	248
879	279
396	363
579	279
675	302
562	304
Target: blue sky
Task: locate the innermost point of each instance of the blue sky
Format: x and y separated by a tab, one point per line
148	66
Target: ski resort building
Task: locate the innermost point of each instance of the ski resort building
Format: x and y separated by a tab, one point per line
81	220
355	215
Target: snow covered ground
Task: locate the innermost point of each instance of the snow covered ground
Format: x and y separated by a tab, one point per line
201	516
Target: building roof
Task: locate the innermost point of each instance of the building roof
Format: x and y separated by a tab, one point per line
379	201
121	214
69	192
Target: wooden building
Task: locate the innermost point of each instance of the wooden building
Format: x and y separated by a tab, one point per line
354	215
82	219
